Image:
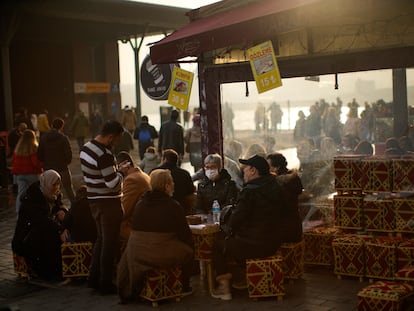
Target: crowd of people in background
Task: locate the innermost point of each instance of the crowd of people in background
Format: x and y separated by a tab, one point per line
134	212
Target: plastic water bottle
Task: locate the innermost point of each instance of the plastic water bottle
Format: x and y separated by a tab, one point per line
216	211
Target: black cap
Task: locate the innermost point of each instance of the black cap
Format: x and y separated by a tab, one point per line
258	162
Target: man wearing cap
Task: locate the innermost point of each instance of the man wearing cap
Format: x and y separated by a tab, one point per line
254	223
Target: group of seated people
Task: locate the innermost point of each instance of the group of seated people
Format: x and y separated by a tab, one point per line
154	232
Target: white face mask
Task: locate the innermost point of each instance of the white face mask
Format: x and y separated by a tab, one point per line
212	174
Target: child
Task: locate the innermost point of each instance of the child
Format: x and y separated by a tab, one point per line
150	161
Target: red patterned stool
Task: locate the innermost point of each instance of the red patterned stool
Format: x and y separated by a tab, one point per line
20	266
348	211
293	265
204	237
384	296
349	255
265	277
318	246
404	215
405	274
405	253
348	173
381	257
378	214
76	259
161	284
378	171
403	174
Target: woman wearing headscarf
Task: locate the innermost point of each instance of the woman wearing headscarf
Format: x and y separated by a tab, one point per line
160	238
38	228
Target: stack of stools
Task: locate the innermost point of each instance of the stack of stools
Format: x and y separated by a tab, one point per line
293	259
381	257
161	284
318	246
76	259
20	266
385	296
349	254
265	277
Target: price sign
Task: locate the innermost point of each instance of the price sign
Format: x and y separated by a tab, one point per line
264	66
180	89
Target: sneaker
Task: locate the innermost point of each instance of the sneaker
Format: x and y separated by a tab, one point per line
222	291
242	284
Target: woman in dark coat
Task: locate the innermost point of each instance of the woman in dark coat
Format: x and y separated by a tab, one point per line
160	237
291	224
38	228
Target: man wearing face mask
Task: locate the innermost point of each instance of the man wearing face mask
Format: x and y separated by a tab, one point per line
216	185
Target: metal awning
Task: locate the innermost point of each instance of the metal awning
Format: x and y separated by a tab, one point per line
240	26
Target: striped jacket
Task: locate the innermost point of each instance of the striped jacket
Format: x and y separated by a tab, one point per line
100	174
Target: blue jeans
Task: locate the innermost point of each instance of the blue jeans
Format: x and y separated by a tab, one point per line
23	182
108	215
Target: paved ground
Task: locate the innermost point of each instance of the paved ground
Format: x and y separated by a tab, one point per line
318	290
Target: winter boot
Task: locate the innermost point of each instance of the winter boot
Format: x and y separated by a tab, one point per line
222	291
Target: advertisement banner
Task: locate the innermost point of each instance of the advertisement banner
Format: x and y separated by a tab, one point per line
180	88
264	66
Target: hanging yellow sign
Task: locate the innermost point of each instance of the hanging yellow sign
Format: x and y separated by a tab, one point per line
180	88
264	66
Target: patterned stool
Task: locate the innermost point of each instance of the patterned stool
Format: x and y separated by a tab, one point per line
293	259
384	296
381	257
20	266
162	284
204	237
404	215
378	214
349	254
76	259
405	253
405	274
265	277
348	211
318	246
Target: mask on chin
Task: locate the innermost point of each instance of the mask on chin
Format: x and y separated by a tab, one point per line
212	174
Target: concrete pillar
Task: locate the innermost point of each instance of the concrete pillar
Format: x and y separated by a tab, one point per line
399	83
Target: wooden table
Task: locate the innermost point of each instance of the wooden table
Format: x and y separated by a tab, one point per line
204	236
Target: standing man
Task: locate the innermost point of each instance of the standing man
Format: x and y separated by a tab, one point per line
145	133
103	181
56	154
172	136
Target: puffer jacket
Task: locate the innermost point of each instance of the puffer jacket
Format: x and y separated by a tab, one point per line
257	216
223	190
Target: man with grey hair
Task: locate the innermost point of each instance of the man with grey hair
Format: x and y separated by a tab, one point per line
215	185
